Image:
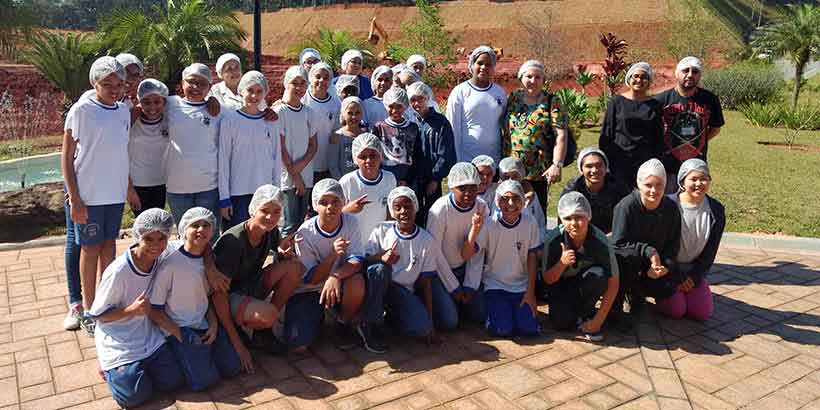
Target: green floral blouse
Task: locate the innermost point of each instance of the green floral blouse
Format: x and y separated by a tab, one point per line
528	131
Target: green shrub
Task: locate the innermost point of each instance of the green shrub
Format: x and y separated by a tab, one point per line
802	118
575	104
745	83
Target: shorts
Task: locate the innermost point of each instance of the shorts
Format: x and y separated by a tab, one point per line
103	224
239	303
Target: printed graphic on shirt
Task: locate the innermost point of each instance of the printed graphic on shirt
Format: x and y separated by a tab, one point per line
686	125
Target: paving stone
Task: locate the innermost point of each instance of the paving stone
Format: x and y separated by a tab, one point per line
513	380
656	356
391	391
64	353
8	391
666	383
628	377
37	327
59	401
33	372
33	353
643	403
77	375
36	391
667	403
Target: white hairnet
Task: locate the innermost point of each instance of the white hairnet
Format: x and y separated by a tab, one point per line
103	67
223	59
412	73
462	173
327	186
530	64
589	151
643	66
349	55
484	161
512	164
416	58
292	73
192	215
507	186
308	53
153	220
351	100
574	203
347	80
687	62
378	72
692	164
419	89
479	51
651	168
127	59
151	86
197	69
395	95
366	141
397	68
319	67
265	194
251	78
398	192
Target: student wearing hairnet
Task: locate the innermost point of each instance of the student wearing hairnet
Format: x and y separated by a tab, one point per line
133	354
512	168
147	144
400	137
95	168
180	301
485	165
134	73
367	187
579	268
703	219
374	109
340	156
474	109
598	186
257	294
405	259
249	153
449	221
332	254
504	247
227	92
646	230
438	151
325	109
346	86
352	64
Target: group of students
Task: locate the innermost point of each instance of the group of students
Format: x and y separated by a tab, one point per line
328	203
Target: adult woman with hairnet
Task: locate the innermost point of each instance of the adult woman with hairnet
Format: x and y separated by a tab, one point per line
633	126
596	185
535	129
703	219
474	109
646	234
240	254
352	64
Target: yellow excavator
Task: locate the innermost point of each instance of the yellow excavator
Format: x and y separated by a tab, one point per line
378	37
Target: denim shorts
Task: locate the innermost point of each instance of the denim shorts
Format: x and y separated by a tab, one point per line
103	224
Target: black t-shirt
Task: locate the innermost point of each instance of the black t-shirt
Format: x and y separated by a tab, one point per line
632	134
237	259
596	251
687	121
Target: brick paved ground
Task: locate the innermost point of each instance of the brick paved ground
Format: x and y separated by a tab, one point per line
760	351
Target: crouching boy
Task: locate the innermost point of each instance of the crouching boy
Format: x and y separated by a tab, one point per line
181	307
404	258
580	267
507	245
132	351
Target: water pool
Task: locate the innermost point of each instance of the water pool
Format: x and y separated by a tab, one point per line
38	169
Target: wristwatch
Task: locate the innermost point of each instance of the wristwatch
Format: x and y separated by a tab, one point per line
559	164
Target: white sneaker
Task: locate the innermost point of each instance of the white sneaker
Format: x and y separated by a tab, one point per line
73	317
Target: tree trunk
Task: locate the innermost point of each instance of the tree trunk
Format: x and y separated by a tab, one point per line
799	66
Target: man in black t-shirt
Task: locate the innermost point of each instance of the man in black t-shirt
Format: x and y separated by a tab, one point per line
691	117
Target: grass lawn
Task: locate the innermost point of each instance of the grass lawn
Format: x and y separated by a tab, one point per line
43	145
764	189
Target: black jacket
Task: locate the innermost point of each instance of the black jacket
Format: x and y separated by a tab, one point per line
602	203
639	232
703	263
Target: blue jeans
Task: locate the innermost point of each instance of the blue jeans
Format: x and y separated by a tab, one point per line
445	311
303	319
506	316
377	279
103	224
179	203
72	259
475	310
239	204
133	384
203	365
294	210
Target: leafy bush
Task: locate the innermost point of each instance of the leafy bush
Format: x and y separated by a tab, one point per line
577	106
781	116
745	83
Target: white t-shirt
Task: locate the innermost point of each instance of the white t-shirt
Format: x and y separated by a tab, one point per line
295	124
534	209
355	185
101	158
374	111
325	122
317	244
146	151
504	249
248	153
182	290
489	196
191	161
129	339
228	100
417	252
475	114
92	93
449	225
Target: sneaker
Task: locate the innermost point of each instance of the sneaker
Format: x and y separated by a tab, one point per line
372	338
591	336
88	324
73	317
345	337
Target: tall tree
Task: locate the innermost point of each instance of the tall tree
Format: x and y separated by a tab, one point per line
64	59
794	35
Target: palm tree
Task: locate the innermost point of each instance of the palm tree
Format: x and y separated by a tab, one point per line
64	59
17	23
184	32
332	44
795	35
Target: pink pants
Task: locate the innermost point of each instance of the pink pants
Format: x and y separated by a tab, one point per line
697	304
